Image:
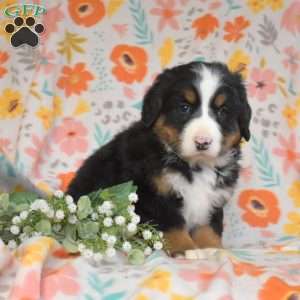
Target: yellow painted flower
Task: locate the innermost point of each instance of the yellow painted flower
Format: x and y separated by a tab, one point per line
46	116
291	116
238	62
275	4
44	187
294	192
81	108
180	297
35	252
298	104
142	297
294	227
11	104
57	106
256	5
159	280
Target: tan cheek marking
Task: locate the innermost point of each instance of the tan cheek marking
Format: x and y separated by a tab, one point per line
205	237
178	241
166	132
190	96
220	100
232	139
161	184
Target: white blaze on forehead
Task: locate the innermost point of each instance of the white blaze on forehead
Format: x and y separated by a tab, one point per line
204	125
208	86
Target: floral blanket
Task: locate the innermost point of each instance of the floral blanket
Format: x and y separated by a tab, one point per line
41	269
85	80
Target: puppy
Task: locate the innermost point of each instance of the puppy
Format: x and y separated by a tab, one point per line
183	154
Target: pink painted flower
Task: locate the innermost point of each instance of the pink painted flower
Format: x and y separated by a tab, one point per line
71	136
262	83
291	18
288	152
167	14
246	173
292	60
28	289
45	61
50	21
61	280
5	145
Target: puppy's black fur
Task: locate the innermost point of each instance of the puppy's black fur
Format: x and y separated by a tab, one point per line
140	152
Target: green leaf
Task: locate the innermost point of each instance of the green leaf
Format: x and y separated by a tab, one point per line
27	229
118	192
70	232
84	207
70	245
43	226
88	230
4	201
136	257
22	198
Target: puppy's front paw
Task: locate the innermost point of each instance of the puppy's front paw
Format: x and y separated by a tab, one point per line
177	242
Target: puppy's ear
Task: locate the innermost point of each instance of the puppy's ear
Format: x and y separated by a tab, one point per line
245	112
152	103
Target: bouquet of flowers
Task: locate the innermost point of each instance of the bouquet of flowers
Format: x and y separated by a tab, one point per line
97	226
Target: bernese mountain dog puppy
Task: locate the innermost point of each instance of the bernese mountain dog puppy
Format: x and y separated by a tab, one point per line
183	154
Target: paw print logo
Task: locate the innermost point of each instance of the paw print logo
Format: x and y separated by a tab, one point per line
24	31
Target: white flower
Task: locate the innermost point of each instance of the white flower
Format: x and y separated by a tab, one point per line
104	236
107	222
56	227
87	253
72	219
69	200
111	240
160	233
107	205
108	213
147	234
50	213
94	216
131	227
24	215
148	251
36	234
120	220
81	247
34	205
126	247
16	220
44	207
101	210
72	208
136	219
12	244
97	256
59	215
158	245
14	229
133	197
110	252
23	236
131	209
58	194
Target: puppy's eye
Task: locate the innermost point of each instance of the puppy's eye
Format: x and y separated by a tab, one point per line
185	107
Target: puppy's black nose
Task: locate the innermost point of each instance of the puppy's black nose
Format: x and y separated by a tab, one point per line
202	143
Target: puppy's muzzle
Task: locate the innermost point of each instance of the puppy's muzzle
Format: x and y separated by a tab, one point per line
203	142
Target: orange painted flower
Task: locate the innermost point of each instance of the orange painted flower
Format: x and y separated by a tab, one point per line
241	268
86	12
131	63
65	179
3	59
205	25
260	207
74	80
234	30
276	289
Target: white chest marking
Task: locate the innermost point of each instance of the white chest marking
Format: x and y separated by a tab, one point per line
199	196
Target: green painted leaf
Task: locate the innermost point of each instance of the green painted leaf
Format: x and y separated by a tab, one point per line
43	226
142	32
88	230
114	296
84	207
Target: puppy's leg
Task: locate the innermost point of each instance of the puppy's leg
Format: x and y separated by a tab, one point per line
178	241
205	237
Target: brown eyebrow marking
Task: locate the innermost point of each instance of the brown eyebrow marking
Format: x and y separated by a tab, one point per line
190	96
220	100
